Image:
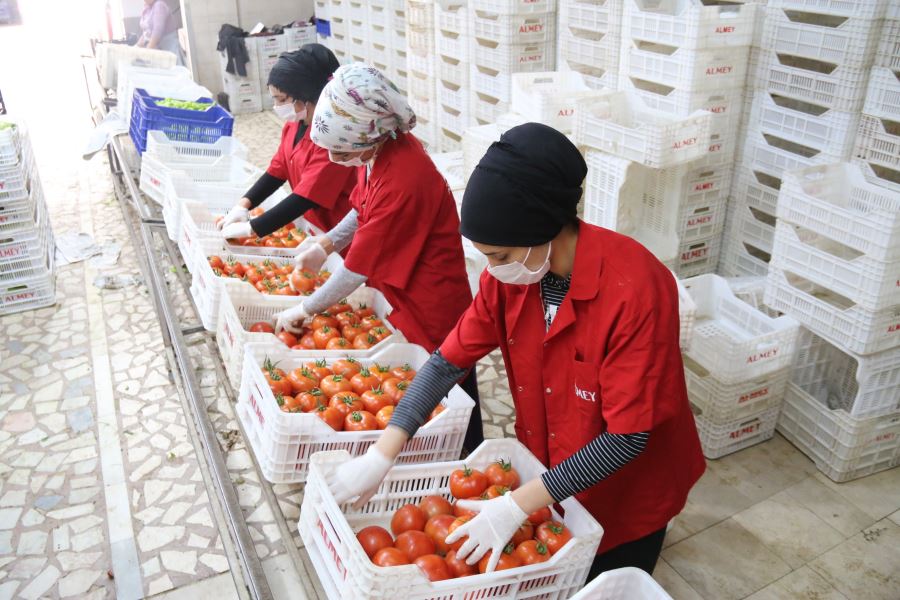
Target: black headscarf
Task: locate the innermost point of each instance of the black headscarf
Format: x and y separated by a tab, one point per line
524	190
302	74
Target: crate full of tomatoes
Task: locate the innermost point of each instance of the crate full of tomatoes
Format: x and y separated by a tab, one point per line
394	546
356	326
294	405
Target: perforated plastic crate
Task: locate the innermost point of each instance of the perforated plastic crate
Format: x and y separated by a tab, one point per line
32	292
628	583
515	7
844	41
689	23
178	124
549	97
453	121
756	188
597	77
734	341
888	53
812	427
486	109
685	68
868	9
526	28
724	104
420	13
696	257
878	142
718	440
284	443
687	311
600	49
345	571
775	154
503	58
751	225
742	259
723	403
597	16
299	35
883	94
701	220
19	216
221	162
620	124
111	56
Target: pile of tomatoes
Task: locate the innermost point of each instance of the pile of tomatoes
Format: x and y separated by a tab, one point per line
338	328
420	531
346	395
269	276
285	237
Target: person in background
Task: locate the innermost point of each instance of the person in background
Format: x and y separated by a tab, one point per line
159	29
320	189
402	234
587	320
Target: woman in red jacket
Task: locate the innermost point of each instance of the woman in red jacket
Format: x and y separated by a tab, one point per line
587	320
320	189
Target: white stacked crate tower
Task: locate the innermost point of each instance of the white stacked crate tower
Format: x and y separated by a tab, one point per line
26	241
452	77
835	267
358	31
590	35
808	78
399	73
244	92
680	56
379	35
421	62
269	49
506	37
339	25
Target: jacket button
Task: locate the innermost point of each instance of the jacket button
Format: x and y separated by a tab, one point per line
549	391
553	436
527	432
520	389
511	341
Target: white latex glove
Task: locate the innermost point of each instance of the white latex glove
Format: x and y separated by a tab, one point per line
237	230
311	256
286	319
237	214
360	477
493	527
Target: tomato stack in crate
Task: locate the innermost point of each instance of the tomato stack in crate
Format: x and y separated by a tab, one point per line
835	268
294	404
590	35
354	557
27	274
736	368
808	81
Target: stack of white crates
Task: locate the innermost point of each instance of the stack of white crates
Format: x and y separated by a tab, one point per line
736	368
506	37
378	35
26	240
809	78
835	268
452	76
421	62
268	50
590	34
339	27
397	24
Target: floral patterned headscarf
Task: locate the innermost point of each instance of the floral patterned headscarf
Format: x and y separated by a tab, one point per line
359	108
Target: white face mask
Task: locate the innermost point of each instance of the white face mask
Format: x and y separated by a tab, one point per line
286	112
516	273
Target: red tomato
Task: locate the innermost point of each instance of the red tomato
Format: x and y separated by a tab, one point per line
414	544
375	400
278	383
346	318
346	367
339	308
373	538
494	491
291	241
390	557
507	560
216	262
364	341
303	281
383	416
287	403
351	331
437	528
255	212
502	473
395	388
335	384
434	567
371	321
458	567
360	420
437	410
409	517
531	552
261	327
331	416
322	335
465	483
462	512
540	516
272	242
311	400
319	369
405	373
364	381
338	343
324	320
346	403
457	523
524	533
364	311
308	342
380	333
435	505
554	535
288	338
301	380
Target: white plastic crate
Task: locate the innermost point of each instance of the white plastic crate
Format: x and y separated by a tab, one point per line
724	104
26	246
284	443
591	15
701	220
486	109
888	53
451	30
878	142
870	283
297	36
420	13
863	386
173	82
600	49
696	257
453	70
597	78
240	306
869	9
454	96
511	58
346	572
634	200
734	341
705	185
620	124
720	440
774	154
839	87
689	23
883	94
269	45
17	218
226	170
685	68
524	28
176	152
836	40
836	201
377	35
870	445
357	10
723	403
29	293
110	57
751	225
742	259
687	311
549	97
516	7
879	175
831	315
756	188
628	583
452	120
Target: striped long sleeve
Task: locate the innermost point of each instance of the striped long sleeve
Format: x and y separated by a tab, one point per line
432	383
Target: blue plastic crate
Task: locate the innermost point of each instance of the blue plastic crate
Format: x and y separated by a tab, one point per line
323	27
178	124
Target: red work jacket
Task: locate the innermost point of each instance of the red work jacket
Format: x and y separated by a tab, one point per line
610	362
311	174
408	243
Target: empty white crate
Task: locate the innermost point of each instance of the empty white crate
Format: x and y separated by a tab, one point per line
225	170
597	77
774	154
751	225
523	28
173	153
869	9
591	15
628	583
685	68
722	403
619	123
600	49
696	257
878	142
285	442
842	447
756	188
888	53
689	23
724	104
453	70
719	440
328	532
549	97
742	259
734	341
